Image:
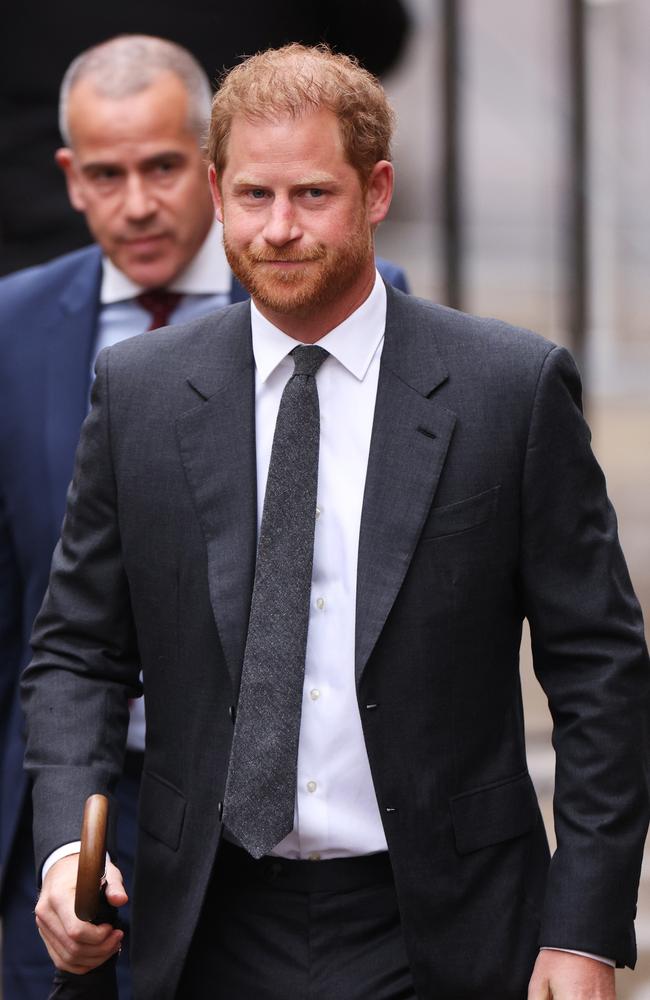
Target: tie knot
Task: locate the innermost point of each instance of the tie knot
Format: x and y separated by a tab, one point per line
308	359
160	304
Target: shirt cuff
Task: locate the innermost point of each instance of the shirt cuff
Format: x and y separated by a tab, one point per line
584	954
61	852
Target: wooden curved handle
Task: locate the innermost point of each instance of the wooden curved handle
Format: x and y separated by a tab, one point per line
92	859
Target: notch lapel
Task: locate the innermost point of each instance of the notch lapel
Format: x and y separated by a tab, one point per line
410	437
217	447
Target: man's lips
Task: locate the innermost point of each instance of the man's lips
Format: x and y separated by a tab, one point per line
148	242
285	263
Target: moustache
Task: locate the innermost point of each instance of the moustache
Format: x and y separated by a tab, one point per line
268	256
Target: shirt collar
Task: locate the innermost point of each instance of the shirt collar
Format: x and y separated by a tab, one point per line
353	343
206	274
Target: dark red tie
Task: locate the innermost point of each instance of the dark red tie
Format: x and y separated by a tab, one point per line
160	304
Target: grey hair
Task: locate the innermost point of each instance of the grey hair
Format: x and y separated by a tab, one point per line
128	64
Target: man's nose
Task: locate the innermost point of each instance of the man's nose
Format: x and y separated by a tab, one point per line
281	225
138	202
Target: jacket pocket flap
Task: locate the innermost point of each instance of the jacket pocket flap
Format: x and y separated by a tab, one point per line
460	516
494	813
162	810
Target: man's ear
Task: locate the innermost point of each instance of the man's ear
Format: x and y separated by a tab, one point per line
379	191
65	160
215	192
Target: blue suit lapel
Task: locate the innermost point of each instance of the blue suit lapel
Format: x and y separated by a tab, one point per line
73	324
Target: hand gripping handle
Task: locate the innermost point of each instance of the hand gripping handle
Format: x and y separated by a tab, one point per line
90	902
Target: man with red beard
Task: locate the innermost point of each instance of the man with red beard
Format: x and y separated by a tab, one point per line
317	522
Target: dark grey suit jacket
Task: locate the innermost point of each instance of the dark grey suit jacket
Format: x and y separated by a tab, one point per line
483	505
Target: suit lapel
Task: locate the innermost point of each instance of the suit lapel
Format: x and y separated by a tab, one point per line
73	324
410	438
217	446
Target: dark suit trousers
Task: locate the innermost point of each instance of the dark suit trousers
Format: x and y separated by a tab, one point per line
261	937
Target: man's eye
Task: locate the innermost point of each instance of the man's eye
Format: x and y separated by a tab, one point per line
165	167
105	175
315	192
257	193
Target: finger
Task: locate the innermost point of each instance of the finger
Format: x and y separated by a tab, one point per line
539	989
116	894
55	913
78	960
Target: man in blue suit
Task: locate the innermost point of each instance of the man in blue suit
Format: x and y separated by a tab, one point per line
132	114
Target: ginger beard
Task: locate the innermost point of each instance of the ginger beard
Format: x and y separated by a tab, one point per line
327	272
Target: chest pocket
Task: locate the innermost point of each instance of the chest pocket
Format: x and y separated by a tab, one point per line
461	516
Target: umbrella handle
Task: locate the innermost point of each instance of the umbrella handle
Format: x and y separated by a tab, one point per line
89	903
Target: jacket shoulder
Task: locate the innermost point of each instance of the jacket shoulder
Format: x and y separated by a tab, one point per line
473	348
456	331
24	291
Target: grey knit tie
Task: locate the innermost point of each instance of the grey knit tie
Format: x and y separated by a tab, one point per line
261	784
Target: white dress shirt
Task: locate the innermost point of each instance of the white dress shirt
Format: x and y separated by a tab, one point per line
336	808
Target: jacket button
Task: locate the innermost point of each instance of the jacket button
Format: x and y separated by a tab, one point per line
232	712
220	810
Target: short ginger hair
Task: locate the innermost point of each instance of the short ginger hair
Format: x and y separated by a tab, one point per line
294	80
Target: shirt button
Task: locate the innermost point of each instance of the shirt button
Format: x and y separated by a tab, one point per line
319	511
320	603
314	694
314	856
311	786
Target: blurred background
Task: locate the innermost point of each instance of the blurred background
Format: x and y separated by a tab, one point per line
523	157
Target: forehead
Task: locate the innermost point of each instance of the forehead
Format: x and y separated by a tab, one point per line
309	142
157	114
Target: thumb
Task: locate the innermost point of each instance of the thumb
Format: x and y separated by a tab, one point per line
116	894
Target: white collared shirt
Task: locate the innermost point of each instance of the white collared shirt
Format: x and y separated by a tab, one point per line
336	807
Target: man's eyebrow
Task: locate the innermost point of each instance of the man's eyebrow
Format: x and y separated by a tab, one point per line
149	161
309	180
95	165
171	154
315	181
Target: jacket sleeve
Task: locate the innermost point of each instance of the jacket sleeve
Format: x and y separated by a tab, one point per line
85	664
590	657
